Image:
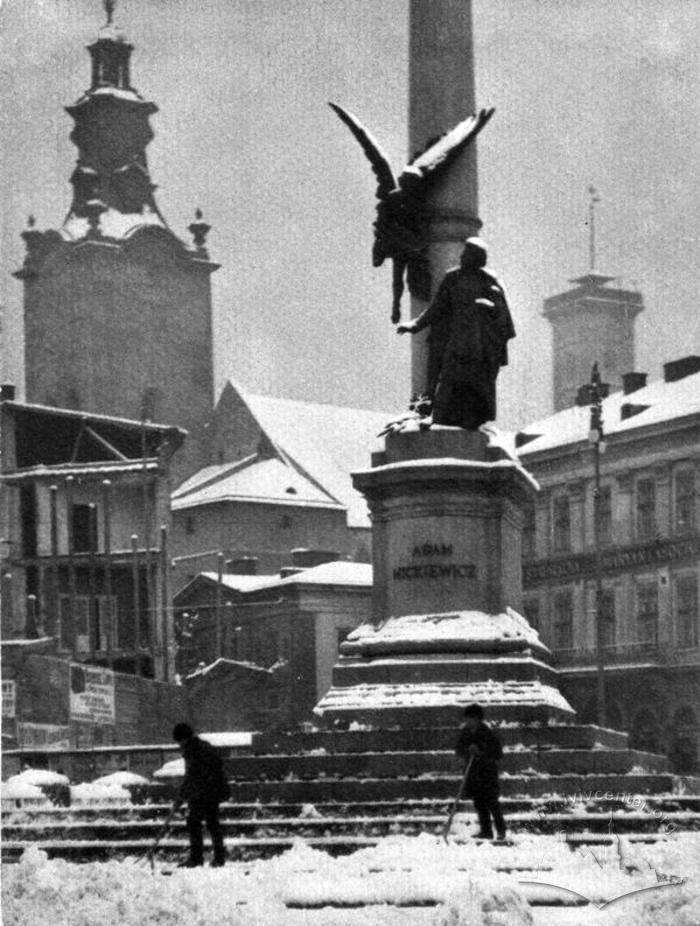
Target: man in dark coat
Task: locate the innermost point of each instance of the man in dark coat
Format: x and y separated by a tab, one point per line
478	742
204	787
470	326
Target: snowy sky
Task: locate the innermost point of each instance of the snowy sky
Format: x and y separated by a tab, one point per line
585	91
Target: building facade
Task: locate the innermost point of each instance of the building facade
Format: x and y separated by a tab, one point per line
279	479
279	633
649	544
84	524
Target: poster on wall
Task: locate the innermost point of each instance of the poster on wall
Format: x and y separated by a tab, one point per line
91	694
42	736
8	698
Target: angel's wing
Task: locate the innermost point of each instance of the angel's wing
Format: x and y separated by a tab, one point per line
382	170
448	146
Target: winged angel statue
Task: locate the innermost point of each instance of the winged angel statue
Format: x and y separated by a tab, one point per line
399	228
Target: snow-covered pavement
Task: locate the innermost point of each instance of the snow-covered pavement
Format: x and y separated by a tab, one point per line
400	882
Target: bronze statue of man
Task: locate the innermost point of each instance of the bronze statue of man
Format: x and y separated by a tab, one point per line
470	326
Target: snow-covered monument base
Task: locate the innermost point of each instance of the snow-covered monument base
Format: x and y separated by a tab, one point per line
447	516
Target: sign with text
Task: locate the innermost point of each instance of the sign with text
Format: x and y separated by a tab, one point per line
9	698
582	565
443	569
91	694
42	736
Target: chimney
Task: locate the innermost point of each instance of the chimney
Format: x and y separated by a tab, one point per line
632	381
302	558
7	392
243	566
679	369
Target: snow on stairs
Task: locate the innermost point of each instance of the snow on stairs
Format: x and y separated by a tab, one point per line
343	790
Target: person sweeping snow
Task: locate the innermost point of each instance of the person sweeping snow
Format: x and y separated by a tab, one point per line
204	787
478	742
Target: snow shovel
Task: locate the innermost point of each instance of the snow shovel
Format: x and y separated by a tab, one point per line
161	835
455	805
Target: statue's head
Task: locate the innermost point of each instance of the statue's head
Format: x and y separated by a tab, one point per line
474	253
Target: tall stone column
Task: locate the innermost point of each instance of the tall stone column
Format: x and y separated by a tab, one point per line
441	94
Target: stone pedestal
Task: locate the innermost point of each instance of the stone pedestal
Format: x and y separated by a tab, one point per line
447	515
446	523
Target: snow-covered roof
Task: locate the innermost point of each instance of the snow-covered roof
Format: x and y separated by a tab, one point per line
664	402
328	442
340	572
267	481
223	663
234	581
101	467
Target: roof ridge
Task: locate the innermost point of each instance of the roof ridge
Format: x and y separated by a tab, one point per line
227	469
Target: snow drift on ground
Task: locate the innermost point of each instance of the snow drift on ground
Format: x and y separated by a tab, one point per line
472	885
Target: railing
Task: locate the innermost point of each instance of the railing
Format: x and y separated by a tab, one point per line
661	654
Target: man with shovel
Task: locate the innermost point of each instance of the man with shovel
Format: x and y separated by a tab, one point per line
204	787
479	747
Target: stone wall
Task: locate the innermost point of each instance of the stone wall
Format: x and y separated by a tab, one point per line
145	710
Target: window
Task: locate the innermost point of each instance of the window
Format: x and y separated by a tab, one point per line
75	626
607	608
605	515
190	525
646	509
687	612
65	635
529	533
531	609
685	501
647	613
563	621
107	623
562	524
84	524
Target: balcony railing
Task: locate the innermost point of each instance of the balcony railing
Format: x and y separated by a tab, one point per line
661	654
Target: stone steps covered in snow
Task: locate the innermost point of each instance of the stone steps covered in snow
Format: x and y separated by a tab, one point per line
414	764
551	803
342	790
244	848
562	736
367	826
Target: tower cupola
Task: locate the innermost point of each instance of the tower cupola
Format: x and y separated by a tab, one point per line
111	133
111	54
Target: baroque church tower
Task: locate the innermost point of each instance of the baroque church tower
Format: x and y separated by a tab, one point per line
117	309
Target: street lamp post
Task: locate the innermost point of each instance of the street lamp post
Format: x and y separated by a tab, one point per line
597	393
592	394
